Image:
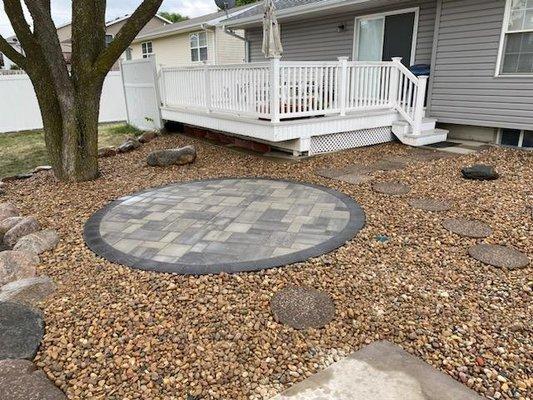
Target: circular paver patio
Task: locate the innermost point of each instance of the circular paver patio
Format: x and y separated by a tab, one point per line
226	225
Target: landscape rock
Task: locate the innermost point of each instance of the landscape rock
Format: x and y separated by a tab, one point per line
8	210
499	256
26	226
38	242
16	265
42	168
7	224
21	380
21	331
147	136
107	152
27	291
480	172
129	145
164	158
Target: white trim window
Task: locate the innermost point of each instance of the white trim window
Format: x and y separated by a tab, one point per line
198	46
147	49
108	40
515	138
516	46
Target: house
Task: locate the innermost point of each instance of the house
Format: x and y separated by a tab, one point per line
64	33
6	63
192	42
480	53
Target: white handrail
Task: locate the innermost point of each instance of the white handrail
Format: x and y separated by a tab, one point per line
277	90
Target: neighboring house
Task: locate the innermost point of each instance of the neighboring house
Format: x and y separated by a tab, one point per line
480	53
64	33
6	63
191	42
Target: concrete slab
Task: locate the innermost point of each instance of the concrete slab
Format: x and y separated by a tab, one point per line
380	371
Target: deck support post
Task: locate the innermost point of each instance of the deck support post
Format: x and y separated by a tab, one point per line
274	89
419	104
395	83
343	83
207	82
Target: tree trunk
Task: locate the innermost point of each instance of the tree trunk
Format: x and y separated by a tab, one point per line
72	136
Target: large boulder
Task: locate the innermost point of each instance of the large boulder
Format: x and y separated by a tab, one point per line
7	224
8	210
15	265
21	380
38	242
28	291
107	152
147	136
480	172
26	226
129	145
164	158
21	331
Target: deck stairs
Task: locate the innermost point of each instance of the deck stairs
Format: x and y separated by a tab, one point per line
429	134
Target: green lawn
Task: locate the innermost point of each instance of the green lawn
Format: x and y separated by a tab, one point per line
22	151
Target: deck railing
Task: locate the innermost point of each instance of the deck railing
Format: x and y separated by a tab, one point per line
277	90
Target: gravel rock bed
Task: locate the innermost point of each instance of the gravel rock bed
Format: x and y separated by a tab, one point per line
118	333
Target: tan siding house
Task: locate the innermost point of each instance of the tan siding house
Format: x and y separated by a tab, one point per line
192	42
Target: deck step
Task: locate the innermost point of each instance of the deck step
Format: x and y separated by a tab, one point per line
426	137
403	128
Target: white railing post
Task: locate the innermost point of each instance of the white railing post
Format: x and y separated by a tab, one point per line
207	83
419	104
343	82
395	82
163	86
274	89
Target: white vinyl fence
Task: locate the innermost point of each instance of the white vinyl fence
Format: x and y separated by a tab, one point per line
19	110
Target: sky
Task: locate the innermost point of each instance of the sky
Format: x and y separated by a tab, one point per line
61	10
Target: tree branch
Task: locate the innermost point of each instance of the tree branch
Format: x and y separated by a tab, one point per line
144	13
49	41
14	12
11	53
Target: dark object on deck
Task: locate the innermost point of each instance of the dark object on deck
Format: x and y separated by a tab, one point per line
420	69
480	172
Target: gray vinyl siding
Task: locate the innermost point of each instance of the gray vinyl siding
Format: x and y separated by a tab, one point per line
464	89
318	39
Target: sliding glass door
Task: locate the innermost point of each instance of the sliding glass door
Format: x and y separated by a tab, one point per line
381	37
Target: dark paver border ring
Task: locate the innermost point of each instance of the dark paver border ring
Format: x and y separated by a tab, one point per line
98	245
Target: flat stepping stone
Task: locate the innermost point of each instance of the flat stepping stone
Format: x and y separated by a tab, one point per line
21	331
379	371
391	188
354	179
302	308
428	204
467	228
499	256
357	169
389	165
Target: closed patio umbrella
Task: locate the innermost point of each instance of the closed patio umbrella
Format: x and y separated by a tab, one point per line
272	47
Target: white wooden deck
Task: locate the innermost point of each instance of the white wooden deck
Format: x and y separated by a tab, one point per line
304	107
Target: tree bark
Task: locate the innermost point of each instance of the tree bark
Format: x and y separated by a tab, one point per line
70	100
